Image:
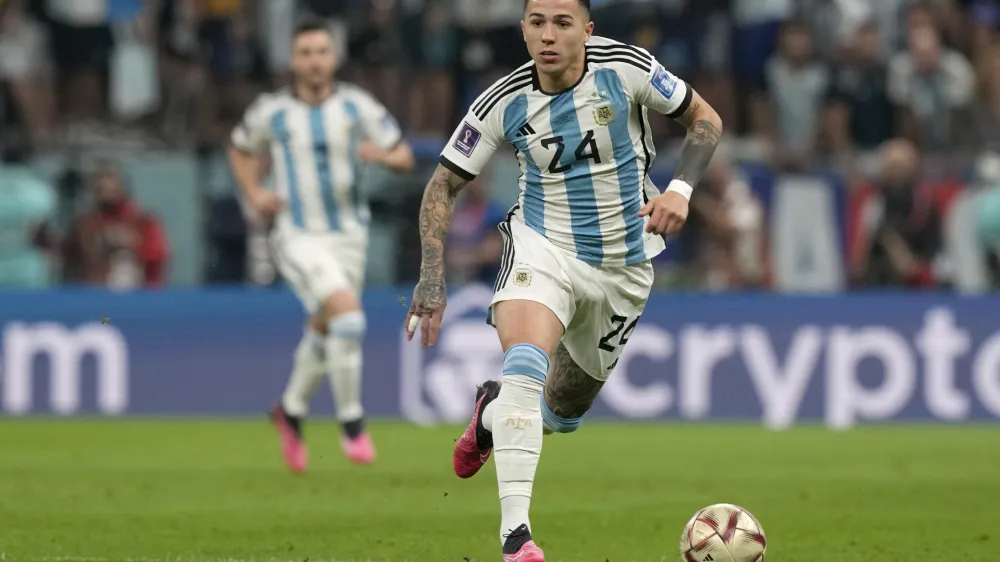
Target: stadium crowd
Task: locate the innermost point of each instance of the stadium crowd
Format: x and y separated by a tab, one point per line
895	101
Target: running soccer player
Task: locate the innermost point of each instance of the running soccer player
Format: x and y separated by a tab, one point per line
576	270
318	134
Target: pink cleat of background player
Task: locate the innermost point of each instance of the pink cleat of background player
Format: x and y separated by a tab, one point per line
359	450
293	449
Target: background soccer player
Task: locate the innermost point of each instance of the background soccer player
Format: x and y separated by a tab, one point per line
318	132
576	272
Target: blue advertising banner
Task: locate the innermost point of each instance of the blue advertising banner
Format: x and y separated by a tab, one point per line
777	360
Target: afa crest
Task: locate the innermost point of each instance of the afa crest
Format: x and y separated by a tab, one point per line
604	113
522	277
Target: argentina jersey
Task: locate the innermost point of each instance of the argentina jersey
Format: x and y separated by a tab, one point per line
314	153
584	152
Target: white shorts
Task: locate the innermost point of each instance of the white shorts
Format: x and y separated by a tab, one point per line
316	265
598	306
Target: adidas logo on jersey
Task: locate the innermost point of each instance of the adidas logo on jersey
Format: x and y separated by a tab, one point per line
525	130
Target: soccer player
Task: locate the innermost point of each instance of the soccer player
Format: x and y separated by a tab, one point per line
576	269
318	133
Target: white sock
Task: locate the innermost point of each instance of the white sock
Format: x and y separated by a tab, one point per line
517	432
307	371
514	511
486	416
344	361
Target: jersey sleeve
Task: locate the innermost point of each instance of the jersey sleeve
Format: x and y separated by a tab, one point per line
659	90
253	132
378	125
472	143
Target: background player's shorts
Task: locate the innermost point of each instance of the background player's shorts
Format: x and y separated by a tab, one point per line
598	306
316	265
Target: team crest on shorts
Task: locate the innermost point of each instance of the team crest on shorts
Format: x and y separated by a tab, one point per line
522	277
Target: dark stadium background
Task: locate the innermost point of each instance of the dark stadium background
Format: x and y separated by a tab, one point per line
797	357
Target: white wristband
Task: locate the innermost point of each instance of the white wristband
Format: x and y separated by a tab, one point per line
682	187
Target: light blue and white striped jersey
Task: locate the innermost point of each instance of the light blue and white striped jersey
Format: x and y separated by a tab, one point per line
313	152
584	152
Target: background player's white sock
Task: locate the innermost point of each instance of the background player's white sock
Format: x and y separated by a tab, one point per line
517	432
308	368
343	360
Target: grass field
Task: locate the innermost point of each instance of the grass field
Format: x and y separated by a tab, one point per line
154	491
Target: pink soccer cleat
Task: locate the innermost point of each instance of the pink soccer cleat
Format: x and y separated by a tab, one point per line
473	449
360	450
290	434
518	547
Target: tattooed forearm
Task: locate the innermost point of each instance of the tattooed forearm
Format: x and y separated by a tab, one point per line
703	134
436	211
569	391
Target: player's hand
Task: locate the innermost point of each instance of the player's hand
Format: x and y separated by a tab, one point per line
427	309
266	203
371	153
667	213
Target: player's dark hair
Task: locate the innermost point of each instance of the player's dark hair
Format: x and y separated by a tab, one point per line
584	3
308	25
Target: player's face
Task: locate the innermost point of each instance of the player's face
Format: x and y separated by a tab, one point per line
313	60
556	31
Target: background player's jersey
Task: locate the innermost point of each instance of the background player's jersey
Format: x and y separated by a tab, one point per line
584	153
313	151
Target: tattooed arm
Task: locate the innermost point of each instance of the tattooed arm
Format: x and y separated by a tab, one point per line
668	212
704	129
436	210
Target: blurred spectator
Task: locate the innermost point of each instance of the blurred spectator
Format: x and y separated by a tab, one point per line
25	72
27	202
725	238
81	41
431	41
756	25
474	241
897	236
116	244
835	24
933	84
796	84
491	44
182	74
377	47
860	117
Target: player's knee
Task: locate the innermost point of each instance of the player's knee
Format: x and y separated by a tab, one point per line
556	423
349	326
340	303
526	360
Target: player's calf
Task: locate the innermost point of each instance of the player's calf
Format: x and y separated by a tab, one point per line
554	423
569	394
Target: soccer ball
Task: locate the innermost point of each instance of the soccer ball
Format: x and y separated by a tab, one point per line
723	533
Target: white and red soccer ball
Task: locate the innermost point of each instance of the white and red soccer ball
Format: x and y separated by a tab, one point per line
723	533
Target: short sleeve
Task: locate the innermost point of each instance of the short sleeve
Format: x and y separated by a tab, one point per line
660	90
378	124
253	132
473	142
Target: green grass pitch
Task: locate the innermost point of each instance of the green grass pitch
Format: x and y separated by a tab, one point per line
185	491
